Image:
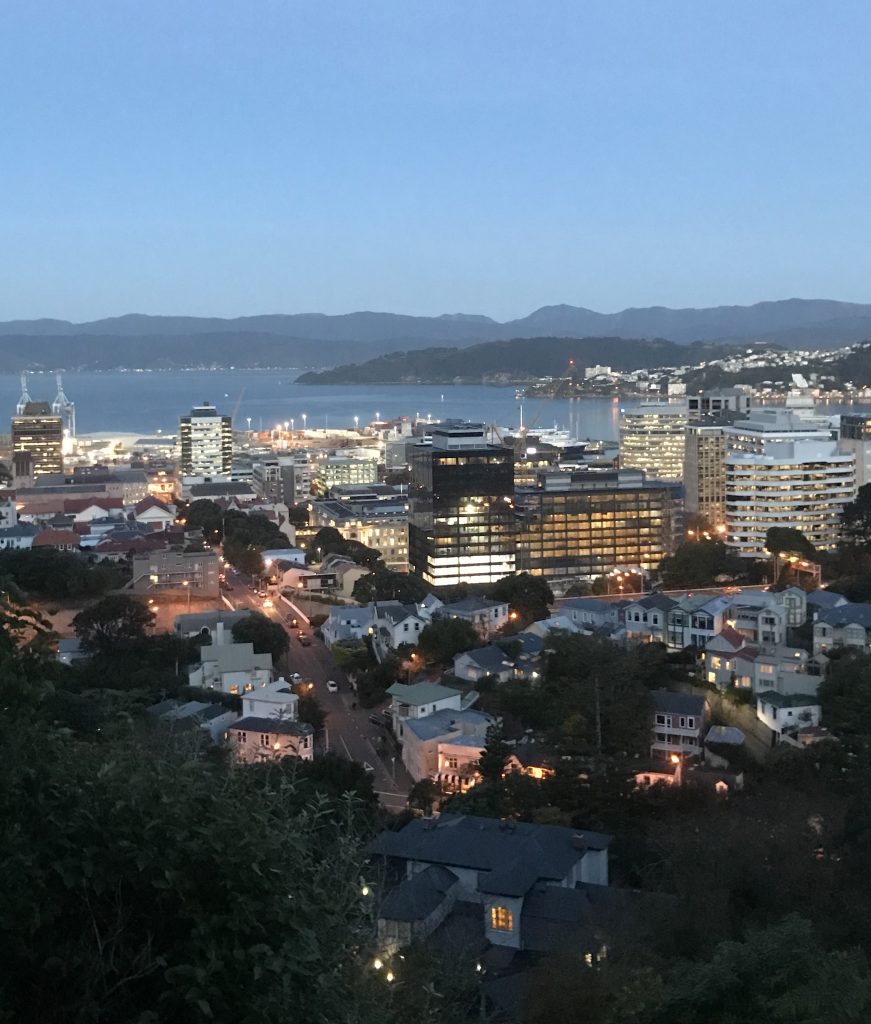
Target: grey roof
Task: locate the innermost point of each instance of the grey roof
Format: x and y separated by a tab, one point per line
490	658
20	530
234	657
417	897
787	700
515	855
825	599
162	707
529	643
661	601
847	615
220	488
443	723
255	724
395	611
473	604
194	622
421	693
678	703
725	734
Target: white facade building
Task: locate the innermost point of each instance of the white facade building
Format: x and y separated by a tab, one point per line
801	484
205	442
652	438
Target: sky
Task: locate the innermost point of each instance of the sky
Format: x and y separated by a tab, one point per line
233	157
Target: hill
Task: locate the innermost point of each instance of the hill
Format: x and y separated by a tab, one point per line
520	359
315	339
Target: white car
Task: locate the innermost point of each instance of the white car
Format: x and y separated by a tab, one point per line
332	686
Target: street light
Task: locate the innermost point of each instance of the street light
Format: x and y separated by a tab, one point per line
304	419
187	585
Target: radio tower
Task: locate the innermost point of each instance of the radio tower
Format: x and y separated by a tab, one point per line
64	408
25	399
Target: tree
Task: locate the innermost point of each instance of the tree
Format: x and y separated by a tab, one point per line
58	574
311	710
328	541
845	697
494	755
529	596
204	515
424	794
119	901
246	536
444	637
698	563
856	518
112	623
385	585
788	540
267	636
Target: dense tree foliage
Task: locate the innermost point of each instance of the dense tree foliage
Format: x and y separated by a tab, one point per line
845	696
788	540
856	518
699	563
386	585
59	575
328	541
529	596
268	637
444	637
246	536
112	624
494	755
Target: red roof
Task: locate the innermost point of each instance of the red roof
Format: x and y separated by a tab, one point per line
108	547
75	505
732	637
150	502
56	539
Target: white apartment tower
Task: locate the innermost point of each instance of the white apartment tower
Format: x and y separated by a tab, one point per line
653	438
206	442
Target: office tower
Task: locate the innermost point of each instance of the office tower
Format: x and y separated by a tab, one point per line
206	441
587	523
652	438
771	425
802	484
705	472
36	431
855	438
718	402
461	522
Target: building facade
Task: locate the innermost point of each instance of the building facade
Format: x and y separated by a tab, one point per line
705	472
39	433
461	521
799	484
206	442
586	524
652	438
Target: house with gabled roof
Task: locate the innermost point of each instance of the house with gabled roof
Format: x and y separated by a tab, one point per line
678	724
483	661
486	616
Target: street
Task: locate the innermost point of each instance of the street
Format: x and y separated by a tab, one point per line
349	732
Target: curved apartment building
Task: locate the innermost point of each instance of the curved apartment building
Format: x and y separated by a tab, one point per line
802	484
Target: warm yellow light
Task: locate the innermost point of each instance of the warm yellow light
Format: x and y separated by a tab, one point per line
389	976
365	890
377	963
675	759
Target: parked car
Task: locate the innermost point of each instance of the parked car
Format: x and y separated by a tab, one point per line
306	641
332	686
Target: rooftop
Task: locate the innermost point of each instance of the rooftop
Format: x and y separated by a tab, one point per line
515	855
421	693
786	700
275	725
678	703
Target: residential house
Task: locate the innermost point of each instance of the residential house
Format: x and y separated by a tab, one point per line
543	627
346	571
19	537
678	724
591	612
786	714
58	540
154	514
217	625
231	668
498	869
348	623
823	601
419	700
484	661
696	619
397	623
257	739
646	619
846	625
487	617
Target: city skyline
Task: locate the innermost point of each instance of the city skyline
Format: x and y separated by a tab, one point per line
218	161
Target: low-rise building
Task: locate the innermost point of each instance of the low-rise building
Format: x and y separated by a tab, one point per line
267	739
678	725
216	625
177	572
19	537
786	714
487	617
846	625
231	668
472	666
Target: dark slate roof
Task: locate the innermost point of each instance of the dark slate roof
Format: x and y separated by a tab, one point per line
824	598
530	644
162	707
417	897
661	601
254	724
491	658
846	615
472	604
516	854
678	703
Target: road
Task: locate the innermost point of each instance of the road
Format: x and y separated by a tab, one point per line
349	732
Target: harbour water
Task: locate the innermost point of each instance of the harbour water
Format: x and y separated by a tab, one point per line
144	403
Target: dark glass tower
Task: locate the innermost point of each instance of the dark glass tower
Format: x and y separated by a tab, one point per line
461	508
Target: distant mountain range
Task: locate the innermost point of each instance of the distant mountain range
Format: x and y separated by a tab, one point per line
315	339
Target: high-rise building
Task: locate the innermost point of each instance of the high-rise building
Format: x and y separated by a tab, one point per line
652	438
38	432
587	523
855	438
461	523
802	484
705	472
206	441
719	402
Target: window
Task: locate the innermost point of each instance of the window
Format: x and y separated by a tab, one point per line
501	919
691	723
264	739
451	762
683	723
660	719
242	737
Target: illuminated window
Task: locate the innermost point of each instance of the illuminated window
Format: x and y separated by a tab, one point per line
501	919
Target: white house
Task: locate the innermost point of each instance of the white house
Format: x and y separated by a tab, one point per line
231	668
487	617
646	619
18	537
273	700
348	623
847	625
483	661
154	514
786	714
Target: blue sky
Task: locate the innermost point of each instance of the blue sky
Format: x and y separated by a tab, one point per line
430	156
